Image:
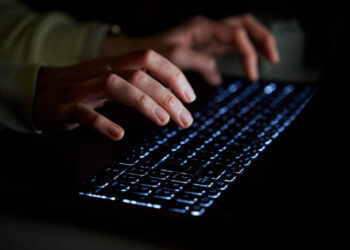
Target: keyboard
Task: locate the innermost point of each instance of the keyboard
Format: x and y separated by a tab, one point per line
186	170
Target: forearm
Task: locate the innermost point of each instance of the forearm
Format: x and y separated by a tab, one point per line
55	39
17	93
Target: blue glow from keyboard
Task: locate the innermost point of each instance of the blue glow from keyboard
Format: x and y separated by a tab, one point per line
270	88
186	170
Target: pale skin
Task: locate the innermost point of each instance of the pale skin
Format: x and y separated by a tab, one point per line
131	71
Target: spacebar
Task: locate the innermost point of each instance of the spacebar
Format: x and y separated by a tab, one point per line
143	201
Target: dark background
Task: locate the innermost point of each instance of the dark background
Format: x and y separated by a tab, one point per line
292	194
144	17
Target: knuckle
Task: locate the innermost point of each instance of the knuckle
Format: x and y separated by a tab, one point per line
147	55
96	121
198	20
177	76
110	80
143	101
169	99
247	17
136	76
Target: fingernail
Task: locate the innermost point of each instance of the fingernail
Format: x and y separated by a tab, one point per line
115	132
190	95
162	116
186	118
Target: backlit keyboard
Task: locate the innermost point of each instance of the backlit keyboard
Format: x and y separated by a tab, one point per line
186	170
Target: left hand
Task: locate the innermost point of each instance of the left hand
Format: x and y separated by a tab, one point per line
193	45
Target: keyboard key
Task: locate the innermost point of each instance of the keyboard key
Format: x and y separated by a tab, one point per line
139	170
150	182
198	163
197	210
128	159
140	189
172	167
229	177
236	168
96	181
224	160
158	174
111	193
132	179
213	170
221	185
177	207
175	160
188	169
192	189
186	198
145	201
163	193
202	181
182	178
171	185
120	186
207	154
116	168
206	201
213	193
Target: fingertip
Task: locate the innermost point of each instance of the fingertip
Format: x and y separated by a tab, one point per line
273	56
215	80
253	74
276	58
190	96
115	132
162	116
111	77
186	118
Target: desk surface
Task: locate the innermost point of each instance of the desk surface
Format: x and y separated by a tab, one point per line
285	188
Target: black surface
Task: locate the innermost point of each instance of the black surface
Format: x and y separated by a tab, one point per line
289	186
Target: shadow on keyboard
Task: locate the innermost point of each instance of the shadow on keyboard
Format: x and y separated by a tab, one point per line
186	170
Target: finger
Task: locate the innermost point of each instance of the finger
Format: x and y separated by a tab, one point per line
161	95
159	67
84	71
197	30
204	64
215	47
87	91
260	35
128	94
246	51
97	122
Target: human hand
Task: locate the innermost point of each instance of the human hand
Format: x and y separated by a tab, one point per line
193	45
68	96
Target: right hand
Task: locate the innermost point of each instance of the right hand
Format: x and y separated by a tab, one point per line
68	96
